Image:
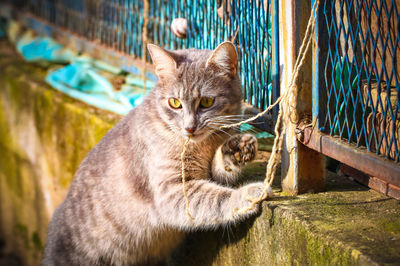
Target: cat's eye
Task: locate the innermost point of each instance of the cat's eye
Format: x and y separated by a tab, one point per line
206	102
174	103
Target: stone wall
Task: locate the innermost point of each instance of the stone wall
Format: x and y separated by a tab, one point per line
43	137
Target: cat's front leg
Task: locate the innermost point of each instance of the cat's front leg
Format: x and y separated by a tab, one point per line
231	156
210	204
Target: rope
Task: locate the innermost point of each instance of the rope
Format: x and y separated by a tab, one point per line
287	99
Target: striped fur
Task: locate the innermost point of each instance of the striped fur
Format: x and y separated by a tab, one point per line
125	205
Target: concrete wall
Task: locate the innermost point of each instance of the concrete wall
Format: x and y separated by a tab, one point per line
43	137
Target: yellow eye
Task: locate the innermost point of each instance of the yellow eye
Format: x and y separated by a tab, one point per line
206	102
174	103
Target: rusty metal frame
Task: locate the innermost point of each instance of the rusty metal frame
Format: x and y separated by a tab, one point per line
355	157
372	182
373	170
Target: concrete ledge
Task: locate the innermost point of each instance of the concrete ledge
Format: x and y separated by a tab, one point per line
347	225
44	135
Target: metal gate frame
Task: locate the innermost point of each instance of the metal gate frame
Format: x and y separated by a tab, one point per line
375	166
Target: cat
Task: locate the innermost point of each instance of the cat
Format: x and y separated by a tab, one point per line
125	205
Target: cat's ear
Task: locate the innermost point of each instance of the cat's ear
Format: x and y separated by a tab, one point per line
165	64
225	58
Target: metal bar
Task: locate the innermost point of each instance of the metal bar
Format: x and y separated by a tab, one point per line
358	158
320	50
375	183
275	57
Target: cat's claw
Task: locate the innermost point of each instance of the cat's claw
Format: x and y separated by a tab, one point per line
241	149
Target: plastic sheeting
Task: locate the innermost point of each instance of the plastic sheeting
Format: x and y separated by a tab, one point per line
81	81
81	78
46	49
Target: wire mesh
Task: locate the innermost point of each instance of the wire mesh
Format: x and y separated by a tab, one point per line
362	74
126	25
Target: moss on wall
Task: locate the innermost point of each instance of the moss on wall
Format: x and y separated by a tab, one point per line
347	225
44	135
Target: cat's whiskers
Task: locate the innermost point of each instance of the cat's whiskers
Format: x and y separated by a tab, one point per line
217	134
217	124
234	115
226	121
224	117
229	232
220	125
218	129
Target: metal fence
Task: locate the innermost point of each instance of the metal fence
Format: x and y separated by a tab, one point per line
357	82
362	74
126	26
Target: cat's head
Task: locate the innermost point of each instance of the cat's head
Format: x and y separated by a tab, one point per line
198	90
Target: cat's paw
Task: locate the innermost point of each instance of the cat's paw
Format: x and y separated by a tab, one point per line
251	192
240	149
249	195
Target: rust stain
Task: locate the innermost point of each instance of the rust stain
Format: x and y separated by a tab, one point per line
356	157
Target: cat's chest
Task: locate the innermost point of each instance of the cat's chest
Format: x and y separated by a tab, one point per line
198	159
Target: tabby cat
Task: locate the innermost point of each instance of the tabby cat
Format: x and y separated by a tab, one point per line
125	205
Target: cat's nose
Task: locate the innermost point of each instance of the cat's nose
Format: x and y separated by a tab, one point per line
190	129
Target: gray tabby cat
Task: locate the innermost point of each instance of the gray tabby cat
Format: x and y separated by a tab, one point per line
126	205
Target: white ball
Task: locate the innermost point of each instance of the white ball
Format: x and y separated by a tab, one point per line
179	27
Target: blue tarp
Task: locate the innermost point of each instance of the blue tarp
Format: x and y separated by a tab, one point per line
80	78
43	48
